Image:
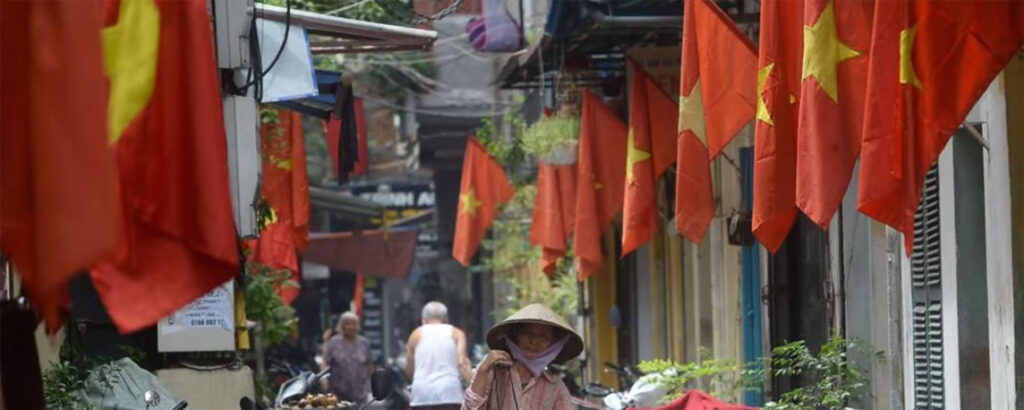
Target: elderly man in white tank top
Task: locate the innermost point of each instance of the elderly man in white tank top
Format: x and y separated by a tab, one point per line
435	359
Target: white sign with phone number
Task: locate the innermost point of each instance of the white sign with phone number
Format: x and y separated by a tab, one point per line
214	309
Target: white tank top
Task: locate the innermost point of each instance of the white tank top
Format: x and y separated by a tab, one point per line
435	380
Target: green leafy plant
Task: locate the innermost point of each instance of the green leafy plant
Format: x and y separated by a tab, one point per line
832	380
263	302
551	134
508	250
558	293
63	385
719	377
64	380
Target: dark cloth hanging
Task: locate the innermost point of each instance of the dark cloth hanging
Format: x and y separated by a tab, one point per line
348	147
21	379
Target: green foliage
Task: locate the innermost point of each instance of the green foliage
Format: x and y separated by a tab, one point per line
508	150
558	293
263	389
832	380
508	249
63	385
263	302
551	133
515	261
380	11
719	377
64	381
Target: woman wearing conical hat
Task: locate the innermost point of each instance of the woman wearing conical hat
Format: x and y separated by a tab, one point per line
512	375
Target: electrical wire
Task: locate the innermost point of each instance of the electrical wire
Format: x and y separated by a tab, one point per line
257	58
436	113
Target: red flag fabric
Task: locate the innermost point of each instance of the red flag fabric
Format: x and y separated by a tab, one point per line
650	150
58	206
363	162
836	38
275	249
600	173
930	63
698	400
717	97
285	187
165	119
357	294
553	210
778	81
484	187
285	184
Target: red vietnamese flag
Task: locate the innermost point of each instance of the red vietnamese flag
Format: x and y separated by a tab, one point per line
600	173
650	150
362	149
717	97
167	129
836	38
484	186
285	187
930	63
58	206
778	81
358	292
553	210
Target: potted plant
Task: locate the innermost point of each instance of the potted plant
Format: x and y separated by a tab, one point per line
554	139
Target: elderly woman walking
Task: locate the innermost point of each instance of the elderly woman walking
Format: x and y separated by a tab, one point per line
347	354
512	375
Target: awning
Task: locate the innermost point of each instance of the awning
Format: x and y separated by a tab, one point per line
344	205
322	105
382	253
342	35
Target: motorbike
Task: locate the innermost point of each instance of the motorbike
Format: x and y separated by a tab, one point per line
299	386
578	400
398	395
643	390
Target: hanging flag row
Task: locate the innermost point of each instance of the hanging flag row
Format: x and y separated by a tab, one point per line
886	82
114	155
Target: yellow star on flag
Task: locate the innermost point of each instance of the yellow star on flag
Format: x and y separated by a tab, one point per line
762	107
691	113
823	52
469	202
633	156
907	73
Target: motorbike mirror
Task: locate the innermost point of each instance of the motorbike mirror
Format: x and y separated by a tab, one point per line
380	384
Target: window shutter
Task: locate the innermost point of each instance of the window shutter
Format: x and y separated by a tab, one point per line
926	296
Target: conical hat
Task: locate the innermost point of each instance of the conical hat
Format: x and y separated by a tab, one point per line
536	313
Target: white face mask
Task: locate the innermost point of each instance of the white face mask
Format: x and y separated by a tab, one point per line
536	364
